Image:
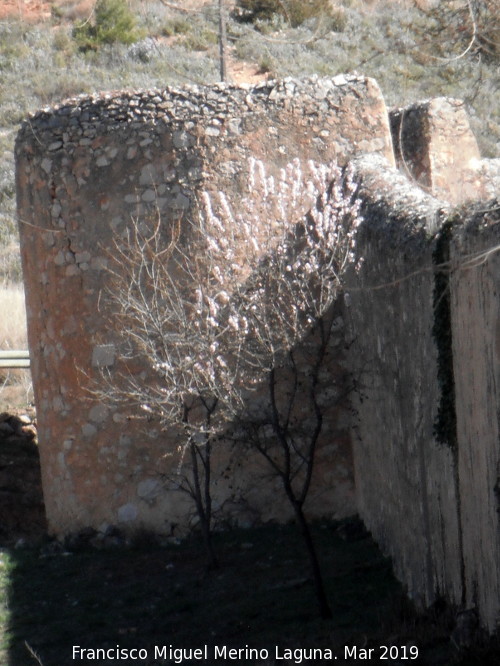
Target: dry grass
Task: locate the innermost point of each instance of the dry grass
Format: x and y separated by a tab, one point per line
16	390
15	385
10	262
13	321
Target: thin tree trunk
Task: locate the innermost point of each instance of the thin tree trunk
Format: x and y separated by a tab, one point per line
204	512
297	502
214	562
319	586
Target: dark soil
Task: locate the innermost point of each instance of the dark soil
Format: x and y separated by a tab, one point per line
111	593
145	595
22	514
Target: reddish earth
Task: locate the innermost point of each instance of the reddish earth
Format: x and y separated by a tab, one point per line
26	10
35	11
245	72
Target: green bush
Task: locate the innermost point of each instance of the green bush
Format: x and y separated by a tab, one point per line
62	41
293	11
113	22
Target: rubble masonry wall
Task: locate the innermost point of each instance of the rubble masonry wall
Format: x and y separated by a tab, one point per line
87	167
84	170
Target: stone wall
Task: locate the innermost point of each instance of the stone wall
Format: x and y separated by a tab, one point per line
424	324
404	481
423	342
84	170
475	308
434	146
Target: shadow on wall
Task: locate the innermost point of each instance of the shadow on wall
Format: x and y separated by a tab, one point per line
88	166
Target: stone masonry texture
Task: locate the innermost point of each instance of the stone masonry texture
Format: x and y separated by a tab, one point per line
84	170
435	147
475	288
427	486
394	358
89	166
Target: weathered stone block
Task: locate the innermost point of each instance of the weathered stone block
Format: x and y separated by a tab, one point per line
435	146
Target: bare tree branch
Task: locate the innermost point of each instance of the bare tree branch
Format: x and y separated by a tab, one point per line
215	312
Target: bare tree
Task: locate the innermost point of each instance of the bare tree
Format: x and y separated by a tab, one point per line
286	429
285	313
156	293
464	28
217	316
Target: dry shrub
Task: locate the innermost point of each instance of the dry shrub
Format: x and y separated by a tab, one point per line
466	28
10	263
295	12
16	389
15	384
13	321
73	10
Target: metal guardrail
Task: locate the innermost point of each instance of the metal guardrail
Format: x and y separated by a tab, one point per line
15	359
